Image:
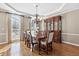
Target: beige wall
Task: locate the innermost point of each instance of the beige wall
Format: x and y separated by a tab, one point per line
70	27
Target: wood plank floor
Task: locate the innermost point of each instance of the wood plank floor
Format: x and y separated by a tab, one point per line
20	49
2	45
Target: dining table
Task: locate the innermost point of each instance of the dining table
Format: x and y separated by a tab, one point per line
38	35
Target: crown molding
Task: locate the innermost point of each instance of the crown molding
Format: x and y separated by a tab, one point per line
23	13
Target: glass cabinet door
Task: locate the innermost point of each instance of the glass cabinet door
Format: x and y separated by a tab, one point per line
60	25
49	26
52	26
55	26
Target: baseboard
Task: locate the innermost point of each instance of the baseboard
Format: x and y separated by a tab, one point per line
70	43
4	43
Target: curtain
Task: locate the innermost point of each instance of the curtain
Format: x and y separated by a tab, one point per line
9	28
4	28
22	28
24	25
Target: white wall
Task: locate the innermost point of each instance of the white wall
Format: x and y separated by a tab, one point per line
70	27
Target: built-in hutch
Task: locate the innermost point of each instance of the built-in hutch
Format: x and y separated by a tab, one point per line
54	24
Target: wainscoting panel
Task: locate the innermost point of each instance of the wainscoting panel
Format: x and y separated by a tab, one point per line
70	38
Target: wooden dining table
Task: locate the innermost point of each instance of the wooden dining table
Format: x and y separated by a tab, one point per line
40	35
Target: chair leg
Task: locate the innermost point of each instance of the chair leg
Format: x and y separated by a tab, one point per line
39	48
47	50
25	41
32	47
51	48
27	44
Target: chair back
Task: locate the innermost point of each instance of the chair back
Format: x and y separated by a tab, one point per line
28	34
32	36
25	34
50	37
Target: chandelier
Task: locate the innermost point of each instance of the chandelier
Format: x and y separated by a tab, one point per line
36	15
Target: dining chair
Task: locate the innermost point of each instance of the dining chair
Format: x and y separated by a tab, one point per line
33	41
27	39
46	44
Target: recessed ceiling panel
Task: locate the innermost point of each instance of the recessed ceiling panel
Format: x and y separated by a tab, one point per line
43	8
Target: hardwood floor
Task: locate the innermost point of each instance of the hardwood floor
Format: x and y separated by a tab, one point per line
2	45
17	49
20	49
65	49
